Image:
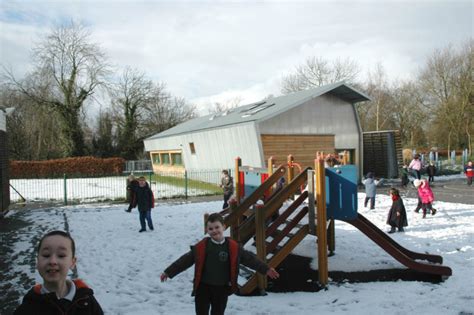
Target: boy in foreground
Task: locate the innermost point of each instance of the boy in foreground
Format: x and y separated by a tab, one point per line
216	259
58	294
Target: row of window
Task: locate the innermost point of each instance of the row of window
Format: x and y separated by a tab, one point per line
167	158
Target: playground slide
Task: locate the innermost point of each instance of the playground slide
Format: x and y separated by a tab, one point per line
403	255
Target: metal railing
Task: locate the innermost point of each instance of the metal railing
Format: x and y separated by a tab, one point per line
113	188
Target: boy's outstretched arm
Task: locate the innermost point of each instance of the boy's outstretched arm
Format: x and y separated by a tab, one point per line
180	265
250	260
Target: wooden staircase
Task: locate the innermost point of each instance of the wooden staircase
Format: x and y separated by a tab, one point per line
274	240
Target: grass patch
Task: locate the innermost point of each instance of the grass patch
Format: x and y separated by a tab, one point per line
180	181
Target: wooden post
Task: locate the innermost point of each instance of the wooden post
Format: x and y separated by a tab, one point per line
234	229
291	172
238	164
321	220
291	168
261	245
271	161
331	237
206	216
311	203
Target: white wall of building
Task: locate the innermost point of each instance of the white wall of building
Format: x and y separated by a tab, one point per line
3	121
215	148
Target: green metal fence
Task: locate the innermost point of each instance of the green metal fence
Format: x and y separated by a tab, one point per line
73	189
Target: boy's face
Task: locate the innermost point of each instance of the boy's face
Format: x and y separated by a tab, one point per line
215	230
142	183
55	259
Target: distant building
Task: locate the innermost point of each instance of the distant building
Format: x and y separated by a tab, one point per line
302	123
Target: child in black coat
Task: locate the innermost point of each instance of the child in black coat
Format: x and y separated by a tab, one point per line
431	170
58	294
397	216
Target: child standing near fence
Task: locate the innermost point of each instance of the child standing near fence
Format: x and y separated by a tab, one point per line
216	259
58	294
397	215
404	175
145	201
431	170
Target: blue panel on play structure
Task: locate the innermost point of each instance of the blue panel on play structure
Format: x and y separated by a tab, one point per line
251	182
341	192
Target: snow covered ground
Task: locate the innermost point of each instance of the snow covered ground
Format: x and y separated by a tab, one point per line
123	266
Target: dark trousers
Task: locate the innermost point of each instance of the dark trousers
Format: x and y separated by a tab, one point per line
469	181
213	296
145	215
227	196
430	178
419	205
417	174
405	180
372	202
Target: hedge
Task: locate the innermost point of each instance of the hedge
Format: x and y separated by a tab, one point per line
76	166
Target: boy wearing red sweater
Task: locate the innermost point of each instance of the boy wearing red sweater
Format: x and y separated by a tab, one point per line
216	262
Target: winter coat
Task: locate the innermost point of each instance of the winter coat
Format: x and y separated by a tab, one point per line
393	219
36	303
415	164
469	170
197	256
431	170
425	193
144	198
370	186
131	194
227	184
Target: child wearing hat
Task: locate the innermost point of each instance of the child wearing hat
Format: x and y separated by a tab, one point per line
425	196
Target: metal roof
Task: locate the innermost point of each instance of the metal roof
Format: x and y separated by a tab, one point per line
264	109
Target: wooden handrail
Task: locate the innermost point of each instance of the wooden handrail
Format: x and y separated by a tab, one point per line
254	197
247	228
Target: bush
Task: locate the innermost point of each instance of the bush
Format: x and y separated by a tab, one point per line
77	166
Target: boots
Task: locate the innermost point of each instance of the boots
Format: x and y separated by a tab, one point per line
400	229
392	230
424	213
433	211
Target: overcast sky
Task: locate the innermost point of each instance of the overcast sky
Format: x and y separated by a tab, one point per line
208	51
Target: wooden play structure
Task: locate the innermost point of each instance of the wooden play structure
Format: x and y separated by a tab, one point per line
331	194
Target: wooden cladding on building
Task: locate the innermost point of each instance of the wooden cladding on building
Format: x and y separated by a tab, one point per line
382	153
302	147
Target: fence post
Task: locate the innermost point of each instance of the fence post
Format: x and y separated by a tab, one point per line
321	220
185	184
65	189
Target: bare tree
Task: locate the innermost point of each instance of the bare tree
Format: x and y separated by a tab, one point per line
446	81
142	108
129	98
68	68
229	104
317	71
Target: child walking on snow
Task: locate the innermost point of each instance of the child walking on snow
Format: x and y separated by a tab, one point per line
216	259
397	216
58	294
370	189
425	195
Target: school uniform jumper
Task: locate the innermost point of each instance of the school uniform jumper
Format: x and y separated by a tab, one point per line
36	302
216	268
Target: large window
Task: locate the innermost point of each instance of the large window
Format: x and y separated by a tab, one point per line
165	158
176	159
155	157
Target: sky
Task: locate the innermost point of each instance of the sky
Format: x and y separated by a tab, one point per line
215	51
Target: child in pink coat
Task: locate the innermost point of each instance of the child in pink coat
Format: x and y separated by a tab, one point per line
426	196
